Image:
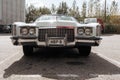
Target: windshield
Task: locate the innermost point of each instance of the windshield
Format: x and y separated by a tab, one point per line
65	18
46	18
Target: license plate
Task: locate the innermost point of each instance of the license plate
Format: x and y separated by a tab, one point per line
56	41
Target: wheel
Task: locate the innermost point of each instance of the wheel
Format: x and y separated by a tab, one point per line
84	50
27	50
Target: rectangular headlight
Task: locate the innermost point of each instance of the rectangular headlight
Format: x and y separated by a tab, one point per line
27	30
88	31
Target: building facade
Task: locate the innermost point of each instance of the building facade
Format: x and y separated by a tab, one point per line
12	11
0	11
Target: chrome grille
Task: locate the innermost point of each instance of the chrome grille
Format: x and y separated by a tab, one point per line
56	32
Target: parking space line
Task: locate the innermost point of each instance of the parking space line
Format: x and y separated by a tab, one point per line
117	63
8	58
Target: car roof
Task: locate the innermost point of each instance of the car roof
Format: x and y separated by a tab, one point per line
56	15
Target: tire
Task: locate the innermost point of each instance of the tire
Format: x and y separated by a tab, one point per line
84	50
27	50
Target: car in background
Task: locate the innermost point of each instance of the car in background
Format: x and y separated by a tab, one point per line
95	20
56	31
6	29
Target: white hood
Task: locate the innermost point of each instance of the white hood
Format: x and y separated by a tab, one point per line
55	23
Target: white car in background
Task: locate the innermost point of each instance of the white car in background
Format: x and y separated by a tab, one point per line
56	31
95	20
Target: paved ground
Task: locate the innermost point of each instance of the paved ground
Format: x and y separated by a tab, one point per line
102	64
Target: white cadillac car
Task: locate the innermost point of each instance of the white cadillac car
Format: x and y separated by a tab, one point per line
56	31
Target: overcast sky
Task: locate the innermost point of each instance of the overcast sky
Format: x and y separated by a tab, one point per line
48	3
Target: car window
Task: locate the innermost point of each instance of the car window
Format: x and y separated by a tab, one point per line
66	18
46	18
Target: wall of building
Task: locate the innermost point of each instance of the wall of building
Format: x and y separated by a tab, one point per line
13	11
0	11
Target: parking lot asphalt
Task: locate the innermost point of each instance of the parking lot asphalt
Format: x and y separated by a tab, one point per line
66	64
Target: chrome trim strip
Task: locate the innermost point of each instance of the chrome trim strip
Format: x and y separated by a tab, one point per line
71	44
27	40
41	43
87	41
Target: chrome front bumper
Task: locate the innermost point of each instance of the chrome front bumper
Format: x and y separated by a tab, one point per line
33	41
88	41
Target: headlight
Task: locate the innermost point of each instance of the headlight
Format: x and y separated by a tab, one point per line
32	31
24	31
88	31
80	31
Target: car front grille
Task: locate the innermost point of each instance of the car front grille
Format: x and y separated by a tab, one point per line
56	32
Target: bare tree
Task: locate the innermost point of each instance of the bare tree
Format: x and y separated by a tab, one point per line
84	7
114	8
